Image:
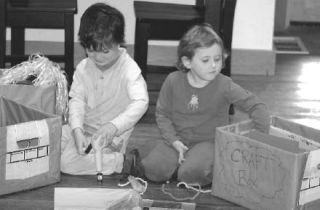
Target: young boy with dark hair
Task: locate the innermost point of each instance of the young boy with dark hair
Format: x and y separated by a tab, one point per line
108	96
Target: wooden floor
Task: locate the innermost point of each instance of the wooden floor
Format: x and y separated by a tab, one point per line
293	93
43	198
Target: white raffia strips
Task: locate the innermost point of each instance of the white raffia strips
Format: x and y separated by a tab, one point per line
46	73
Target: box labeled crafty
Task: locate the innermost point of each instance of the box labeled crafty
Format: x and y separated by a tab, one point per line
278	170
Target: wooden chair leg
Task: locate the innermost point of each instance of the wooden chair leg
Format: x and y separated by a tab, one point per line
3	6
17	45
213	13
3	47
2	52
227	21
227	68
226	30
69	46
141	46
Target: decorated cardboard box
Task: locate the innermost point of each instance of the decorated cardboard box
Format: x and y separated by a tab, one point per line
29	147
278	170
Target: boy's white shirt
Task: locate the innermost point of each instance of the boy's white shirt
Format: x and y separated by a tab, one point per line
118	95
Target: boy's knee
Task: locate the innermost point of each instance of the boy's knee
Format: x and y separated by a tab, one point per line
69	160
64	164
65	137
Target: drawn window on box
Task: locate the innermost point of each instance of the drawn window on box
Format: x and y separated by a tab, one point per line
27	150
310	185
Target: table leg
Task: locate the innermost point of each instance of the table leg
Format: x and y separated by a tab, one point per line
2	33
141	46
69	46
17	45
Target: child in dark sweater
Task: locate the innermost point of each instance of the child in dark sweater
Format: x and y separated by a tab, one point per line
191	104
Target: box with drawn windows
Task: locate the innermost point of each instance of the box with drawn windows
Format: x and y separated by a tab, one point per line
29	147
267	171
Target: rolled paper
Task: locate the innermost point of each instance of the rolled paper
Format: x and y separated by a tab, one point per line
98	156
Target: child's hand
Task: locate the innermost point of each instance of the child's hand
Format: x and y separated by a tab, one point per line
81	141
181	148
107	132
98	143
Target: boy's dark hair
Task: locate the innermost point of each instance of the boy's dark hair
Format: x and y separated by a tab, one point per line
198	36
101	26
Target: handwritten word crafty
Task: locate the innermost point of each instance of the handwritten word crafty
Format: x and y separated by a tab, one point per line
252	159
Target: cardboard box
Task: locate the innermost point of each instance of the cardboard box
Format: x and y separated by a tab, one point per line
40	98
274	171
29	147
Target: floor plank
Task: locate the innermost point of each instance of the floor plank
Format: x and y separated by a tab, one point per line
43	197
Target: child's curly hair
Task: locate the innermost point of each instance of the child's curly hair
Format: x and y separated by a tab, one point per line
201	35
101	26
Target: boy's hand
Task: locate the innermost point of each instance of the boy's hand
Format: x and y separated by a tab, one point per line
181	148
107	132
80	140
97	143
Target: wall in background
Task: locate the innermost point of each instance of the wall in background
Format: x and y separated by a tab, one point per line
252	44
287	10
253	24
281	15
252	36
125	6
305	10
296	10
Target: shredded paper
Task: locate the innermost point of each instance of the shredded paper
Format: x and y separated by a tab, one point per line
45	73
